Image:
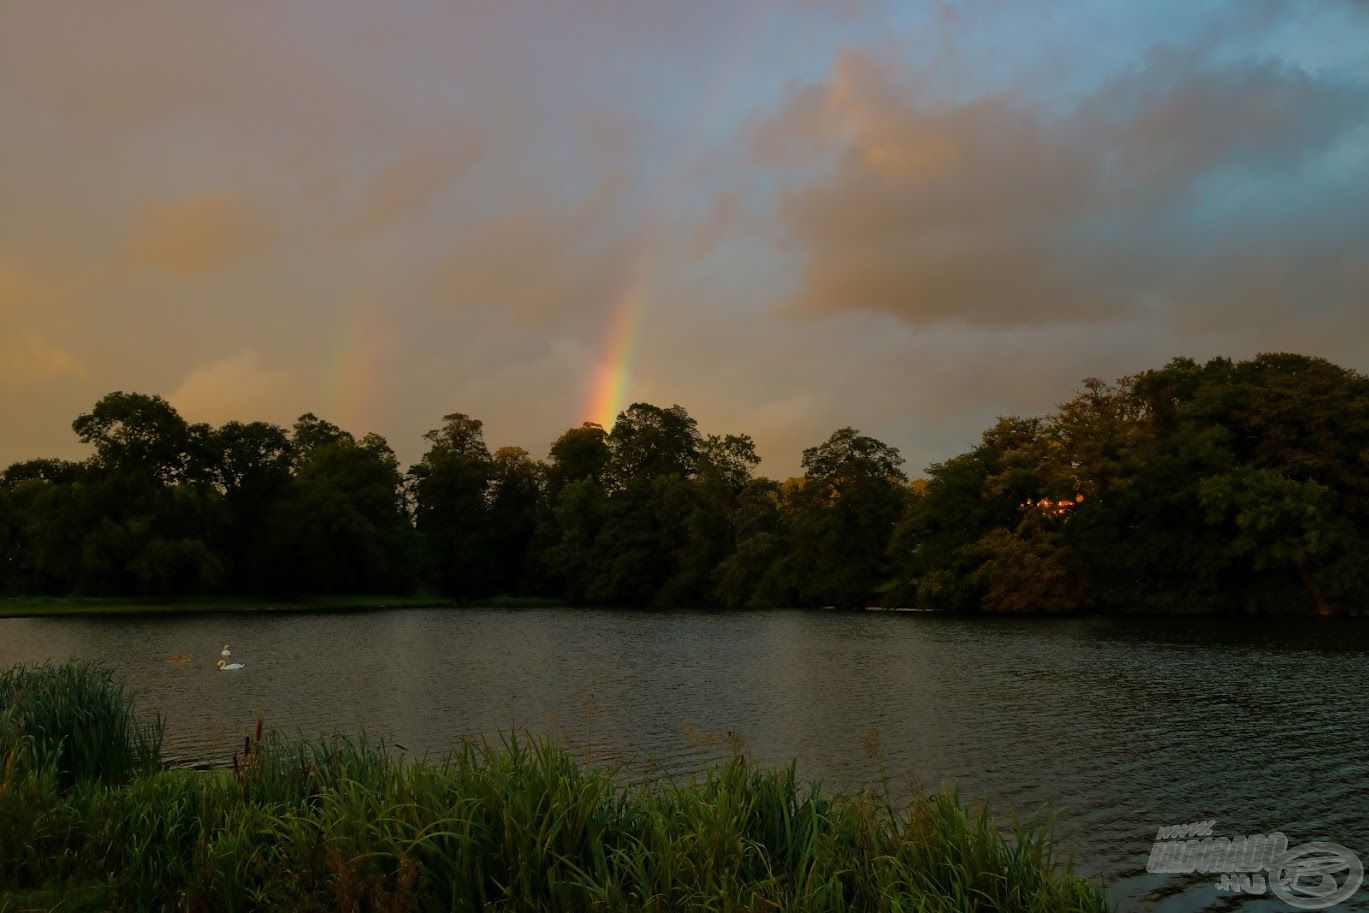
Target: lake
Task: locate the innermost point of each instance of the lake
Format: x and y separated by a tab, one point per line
1121	726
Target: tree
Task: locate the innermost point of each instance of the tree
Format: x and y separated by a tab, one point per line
450	489
702	519
517	506
1223	487
638	516
848	458
311	433
56	472
136	433
730	460
580	453
937	547
41	527
759	570
648	441
1227	486
249	466
340	526
150	520
853	494
579	513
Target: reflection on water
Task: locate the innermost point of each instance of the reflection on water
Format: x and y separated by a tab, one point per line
1121	726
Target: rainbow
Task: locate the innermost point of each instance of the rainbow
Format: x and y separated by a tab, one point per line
609	383
611	377
364	344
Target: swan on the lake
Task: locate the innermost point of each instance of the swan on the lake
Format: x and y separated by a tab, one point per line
229	667
225	652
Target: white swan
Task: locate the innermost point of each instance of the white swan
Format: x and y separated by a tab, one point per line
229	667
225	652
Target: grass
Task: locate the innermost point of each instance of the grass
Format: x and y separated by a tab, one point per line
23	606
341	824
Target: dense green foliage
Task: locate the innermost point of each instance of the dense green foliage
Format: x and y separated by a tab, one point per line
645	514
163	507
1224	487
343	825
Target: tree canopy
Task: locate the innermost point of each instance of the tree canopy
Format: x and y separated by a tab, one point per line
1219	487
1223	487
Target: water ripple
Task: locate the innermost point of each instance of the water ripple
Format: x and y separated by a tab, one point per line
1118	725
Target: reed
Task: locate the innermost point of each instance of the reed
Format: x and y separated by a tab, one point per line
76	720
521	825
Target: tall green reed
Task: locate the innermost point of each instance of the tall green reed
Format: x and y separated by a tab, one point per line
75	719
519	825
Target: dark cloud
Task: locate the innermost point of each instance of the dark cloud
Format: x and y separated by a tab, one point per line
995	211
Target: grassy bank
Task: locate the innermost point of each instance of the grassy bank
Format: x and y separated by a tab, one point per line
92	822
24	606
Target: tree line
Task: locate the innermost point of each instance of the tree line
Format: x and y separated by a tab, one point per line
1220	487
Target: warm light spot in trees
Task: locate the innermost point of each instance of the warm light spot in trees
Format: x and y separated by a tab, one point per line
1051	506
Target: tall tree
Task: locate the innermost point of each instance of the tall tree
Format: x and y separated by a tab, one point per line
517	505
340	525
450	489
760	570
151	519
649	441
580	453
706	531
136	434
853	495
936	545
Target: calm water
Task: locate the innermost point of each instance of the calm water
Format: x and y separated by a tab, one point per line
1121	726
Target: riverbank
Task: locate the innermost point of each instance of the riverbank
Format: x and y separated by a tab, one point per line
37	606
94	822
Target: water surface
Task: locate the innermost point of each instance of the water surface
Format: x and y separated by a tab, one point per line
1119	725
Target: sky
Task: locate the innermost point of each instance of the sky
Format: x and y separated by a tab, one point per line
785	216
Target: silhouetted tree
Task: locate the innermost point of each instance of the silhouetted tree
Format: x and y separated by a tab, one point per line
450	491
844	513
1217	487
580	453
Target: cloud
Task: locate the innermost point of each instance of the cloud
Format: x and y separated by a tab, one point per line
19	290
151	62
28	354
408	186
199	234
718	221
996	199
28	357
239	386
1177	120
993	211
542	261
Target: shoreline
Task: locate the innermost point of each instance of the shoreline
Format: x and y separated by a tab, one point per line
77	606
81	606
